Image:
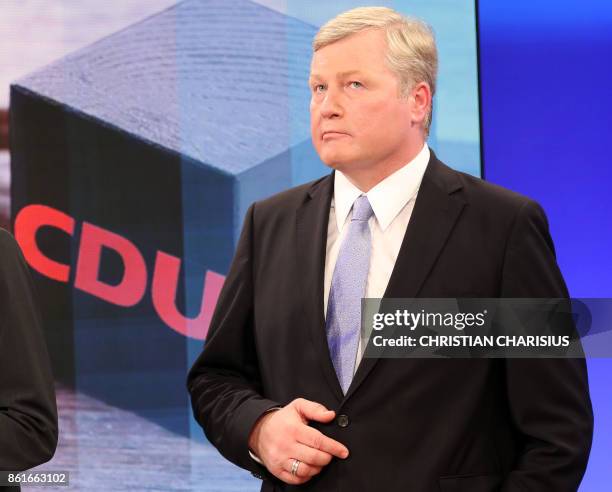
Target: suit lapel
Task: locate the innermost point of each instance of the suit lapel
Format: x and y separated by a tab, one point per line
311	234
435	213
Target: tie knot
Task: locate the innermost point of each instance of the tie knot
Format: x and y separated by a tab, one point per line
362	210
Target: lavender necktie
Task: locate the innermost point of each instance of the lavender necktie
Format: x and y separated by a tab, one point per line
343	319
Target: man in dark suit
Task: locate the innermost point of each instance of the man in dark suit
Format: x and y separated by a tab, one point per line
282	388
28	413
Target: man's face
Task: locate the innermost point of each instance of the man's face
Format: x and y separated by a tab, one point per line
357	119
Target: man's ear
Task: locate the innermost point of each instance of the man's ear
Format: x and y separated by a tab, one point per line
420	102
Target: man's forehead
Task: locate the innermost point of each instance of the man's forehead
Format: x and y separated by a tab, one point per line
359	53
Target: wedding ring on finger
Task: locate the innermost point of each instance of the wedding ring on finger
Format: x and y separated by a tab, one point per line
294	467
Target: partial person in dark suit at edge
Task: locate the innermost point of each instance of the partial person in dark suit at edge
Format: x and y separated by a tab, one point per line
281	388
28	412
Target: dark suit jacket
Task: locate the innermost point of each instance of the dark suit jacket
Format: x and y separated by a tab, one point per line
28	413
474	425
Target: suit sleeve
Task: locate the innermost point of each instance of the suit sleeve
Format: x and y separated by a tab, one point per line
224	382
549	398
28	413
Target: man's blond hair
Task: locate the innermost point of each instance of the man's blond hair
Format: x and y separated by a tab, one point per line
411	52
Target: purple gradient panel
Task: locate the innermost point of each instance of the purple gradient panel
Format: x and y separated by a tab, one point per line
546	118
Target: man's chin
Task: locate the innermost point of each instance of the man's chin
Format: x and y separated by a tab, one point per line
335	161
343	165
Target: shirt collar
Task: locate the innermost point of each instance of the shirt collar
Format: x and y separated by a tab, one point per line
388	197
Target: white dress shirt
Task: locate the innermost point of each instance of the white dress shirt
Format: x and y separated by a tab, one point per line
392	201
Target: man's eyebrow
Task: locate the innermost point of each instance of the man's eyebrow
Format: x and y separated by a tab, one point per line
315	76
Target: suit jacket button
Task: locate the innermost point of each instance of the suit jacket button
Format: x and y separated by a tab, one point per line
342	420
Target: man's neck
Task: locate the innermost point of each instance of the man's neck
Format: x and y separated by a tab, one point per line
367	178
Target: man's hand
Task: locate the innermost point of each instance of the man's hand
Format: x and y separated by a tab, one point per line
280	437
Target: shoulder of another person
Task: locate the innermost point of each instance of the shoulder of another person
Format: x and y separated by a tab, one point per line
6	238
12	264
8	245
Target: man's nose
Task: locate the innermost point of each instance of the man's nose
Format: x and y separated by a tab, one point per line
330	106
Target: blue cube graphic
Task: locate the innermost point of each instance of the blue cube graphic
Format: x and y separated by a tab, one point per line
134	161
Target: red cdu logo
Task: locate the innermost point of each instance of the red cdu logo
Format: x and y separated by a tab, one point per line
133	285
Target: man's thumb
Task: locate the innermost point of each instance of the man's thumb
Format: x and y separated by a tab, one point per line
311	410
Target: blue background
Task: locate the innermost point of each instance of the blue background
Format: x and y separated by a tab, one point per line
546	83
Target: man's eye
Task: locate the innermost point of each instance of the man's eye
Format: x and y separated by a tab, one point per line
355	84
319	88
